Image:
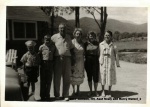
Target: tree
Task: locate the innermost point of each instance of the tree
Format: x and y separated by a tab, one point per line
49	11
53	12
125	35
70	10
77	13
116	35
102	11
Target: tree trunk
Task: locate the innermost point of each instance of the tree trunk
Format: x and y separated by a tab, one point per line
102	15
103	22
52	23
77	21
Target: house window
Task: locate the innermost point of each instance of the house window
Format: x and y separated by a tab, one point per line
7	31
24	30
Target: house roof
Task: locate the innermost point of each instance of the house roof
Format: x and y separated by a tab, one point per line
26	13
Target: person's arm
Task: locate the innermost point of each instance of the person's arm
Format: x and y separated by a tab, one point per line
25	74
54	50
101	56
53	39
39	64
72	52
85	46
40	55
23	60
98	52
116	56
73	61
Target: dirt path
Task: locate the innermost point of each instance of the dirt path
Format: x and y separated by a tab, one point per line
130	87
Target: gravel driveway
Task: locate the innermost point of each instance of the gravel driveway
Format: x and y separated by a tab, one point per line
130	87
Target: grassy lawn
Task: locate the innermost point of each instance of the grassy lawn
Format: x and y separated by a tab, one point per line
133	51
131	45
134	57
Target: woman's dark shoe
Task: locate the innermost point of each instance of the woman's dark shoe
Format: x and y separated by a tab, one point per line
96	94
90	94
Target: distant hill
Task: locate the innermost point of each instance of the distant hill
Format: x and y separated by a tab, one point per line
89	24
116	25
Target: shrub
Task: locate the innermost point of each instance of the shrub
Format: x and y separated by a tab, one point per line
134	57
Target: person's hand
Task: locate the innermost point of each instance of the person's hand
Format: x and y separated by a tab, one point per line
37	74
72	69
20	68
25	84
24	78
83	74
118	66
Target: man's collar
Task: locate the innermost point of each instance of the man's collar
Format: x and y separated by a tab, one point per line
62	36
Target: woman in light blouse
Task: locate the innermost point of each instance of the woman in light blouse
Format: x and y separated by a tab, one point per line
108	58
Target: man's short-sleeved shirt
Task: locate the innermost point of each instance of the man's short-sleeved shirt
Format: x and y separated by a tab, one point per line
47	52
30	60
63	45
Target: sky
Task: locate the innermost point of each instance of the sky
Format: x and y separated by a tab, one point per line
138	15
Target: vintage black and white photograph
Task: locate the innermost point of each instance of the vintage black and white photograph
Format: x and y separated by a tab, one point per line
95	54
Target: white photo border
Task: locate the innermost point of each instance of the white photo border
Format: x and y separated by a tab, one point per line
110	3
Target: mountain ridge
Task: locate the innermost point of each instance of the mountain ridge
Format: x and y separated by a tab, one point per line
88	24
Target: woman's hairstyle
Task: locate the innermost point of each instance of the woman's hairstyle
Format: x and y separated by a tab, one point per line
110	32
62	24
47	37
77	29
91	33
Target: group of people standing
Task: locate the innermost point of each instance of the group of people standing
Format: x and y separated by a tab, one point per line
61	56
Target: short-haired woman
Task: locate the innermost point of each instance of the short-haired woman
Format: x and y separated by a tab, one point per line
107	60
91	61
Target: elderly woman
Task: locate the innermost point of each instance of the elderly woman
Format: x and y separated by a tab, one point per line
77	75
108	58
91	62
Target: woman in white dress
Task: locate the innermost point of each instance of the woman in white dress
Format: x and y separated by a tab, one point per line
108	59
77	75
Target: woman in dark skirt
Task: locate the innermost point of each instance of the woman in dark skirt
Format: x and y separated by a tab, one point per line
92	62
